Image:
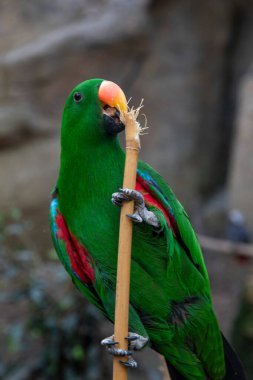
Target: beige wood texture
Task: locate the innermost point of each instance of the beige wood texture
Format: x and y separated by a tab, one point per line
125	244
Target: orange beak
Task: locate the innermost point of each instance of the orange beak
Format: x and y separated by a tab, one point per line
111	94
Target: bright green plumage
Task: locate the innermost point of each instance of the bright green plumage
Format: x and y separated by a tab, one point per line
170	293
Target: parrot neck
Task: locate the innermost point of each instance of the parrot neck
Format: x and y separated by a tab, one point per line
88	177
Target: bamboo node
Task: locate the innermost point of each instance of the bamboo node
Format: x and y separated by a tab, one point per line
132	148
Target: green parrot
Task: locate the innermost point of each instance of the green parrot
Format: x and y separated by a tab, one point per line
170	303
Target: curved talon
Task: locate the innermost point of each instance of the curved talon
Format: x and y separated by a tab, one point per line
131	363
108	341
135	217
112	343
132	338
116	203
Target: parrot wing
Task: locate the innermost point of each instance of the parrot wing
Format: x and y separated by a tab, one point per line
157	193
73	256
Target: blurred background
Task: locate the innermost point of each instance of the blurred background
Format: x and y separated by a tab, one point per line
192	62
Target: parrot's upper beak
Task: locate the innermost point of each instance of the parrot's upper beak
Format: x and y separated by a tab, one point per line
114	102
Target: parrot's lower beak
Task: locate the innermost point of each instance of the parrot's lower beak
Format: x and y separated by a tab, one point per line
113	101
113	124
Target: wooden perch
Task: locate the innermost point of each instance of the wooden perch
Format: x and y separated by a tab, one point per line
225	246
125	242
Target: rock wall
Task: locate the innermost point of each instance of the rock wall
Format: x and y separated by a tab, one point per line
241	171
35	79
178	55
182	84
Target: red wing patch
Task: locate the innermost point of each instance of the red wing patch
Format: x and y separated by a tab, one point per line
150	199
80	259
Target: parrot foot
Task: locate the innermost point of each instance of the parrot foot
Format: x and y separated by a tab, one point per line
135	342
141	213
131	363
109	343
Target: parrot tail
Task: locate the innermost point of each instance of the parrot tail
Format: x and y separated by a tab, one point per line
234	368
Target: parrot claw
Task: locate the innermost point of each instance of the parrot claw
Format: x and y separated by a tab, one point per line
133	195
109	341
118	352
106	342
118	198
131	363
136	342
141	213
135	217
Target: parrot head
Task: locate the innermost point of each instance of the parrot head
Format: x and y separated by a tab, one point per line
92	112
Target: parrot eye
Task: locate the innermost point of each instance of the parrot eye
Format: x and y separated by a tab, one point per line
77	97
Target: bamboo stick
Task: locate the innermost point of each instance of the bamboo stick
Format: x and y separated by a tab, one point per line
125	242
